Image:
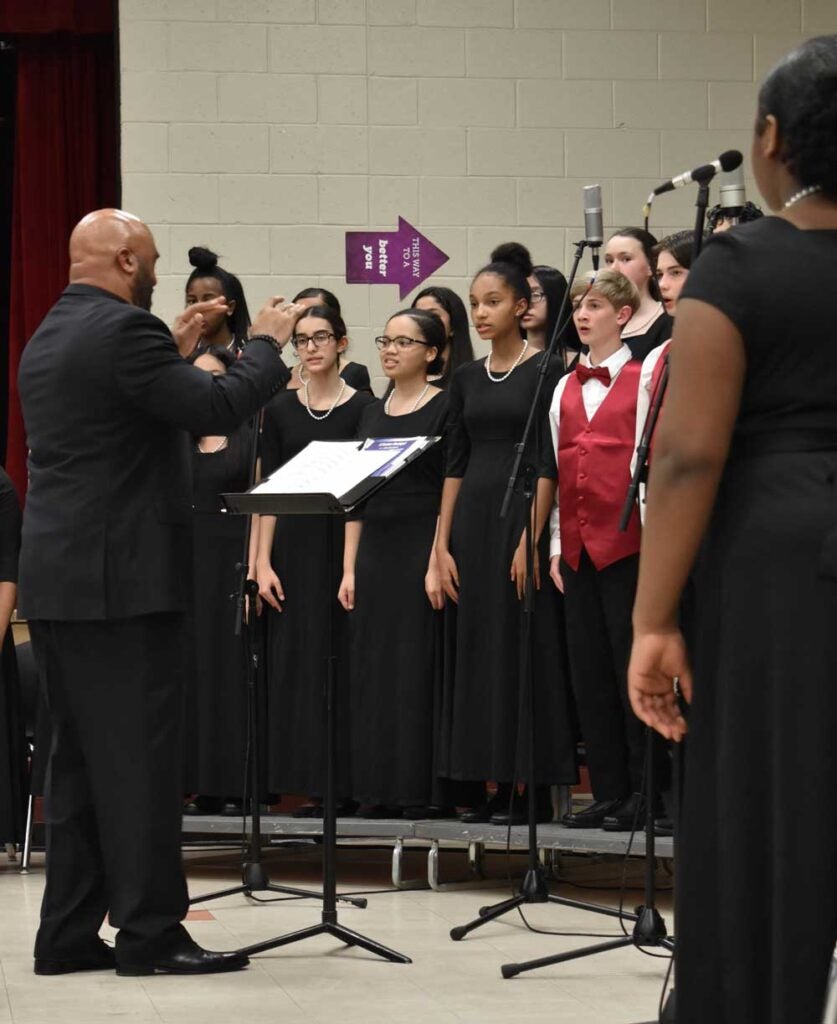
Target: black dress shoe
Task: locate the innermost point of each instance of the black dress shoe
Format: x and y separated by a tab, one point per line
185	958
592	816
233	809
520	809
378	812
103	959
431	812
629	815
204	805
663	827
313	809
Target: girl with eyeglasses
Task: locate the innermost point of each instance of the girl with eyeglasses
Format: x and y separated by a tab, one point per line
392	590
354	374
481	561
548	288
291	565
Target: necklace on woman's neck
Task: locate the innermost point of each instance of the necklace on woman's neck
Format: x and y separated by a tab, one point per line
508	373
416	404
803	193
331	408
213	451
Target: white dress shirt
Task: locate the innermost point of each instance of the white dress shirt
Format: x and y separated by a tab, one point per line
593	393
643	407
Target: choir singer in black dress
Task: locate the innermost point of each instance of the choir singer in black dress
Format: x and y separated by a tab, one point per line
481	562
391	585
744	487
296	580
109	404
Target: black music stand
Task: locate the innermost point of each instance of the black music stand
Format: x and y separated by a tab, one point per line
312	469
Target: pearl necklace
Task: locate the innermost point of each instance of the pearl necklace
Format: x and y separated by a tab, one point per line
416	404
508	373
803	193
326	414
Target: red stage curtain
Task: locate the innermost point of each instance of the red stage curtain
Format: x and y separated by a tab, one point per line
66	164
43	16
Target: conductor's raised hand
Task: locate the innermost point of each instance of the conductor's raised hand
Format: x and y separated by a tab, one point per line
277	317
270	586
657	660
448	574
187	328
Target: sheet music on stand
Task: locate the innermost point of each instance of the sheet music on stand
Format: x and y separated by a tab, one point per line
338	473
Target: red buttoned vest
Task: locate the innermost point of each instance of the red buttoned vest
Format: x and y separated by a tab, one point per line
594	459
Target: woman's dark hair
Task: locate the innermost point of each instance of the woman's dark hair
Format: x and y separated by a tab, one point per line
746	213
326	298
680	245
801	93
328	313
554	287
432	330
512	263
647	241
205	263
459	342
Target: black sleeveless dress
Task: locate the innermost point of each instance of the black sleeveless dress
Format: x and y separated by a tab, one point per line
485	737
757	878
296	636
215	719
12	745
395	633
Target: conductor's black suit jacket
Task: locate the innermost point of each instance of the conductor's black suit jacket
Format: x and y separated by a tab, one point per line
110	407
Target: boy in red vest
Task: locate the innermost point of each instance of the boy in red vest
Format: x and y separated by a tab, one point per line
592	422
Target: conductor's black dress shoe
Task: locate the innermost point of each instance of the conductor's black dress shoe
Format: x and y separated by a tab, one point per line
101	958
592	816
186	957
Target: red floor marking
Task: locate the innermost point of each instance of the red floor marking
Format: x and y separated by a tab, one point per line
200	915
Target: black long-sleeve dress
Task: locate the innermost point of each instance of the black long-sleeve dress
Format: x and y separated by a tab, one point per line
395	634
297	641
12	745
757	886
484	735
215	719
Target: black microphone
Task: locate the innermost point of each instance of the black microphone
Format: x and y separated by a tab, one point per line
706	172
593	225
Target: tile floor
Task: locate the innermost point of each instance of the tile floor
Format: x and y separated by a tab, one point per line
320	981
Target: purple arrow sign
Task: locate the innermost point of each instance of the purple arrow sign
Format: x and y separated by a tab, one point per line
403	257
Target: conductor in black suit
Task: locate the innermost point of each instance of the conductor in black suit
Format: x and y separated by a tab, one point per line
109	404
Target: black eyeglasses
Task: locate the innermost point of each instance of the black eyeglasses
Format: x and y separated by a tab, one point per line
319	338
402	341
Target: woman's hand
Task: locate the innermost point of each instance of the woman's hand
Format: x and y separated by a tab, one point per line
270	586
433	586
657	660
346	593
448	574
518	569
555	572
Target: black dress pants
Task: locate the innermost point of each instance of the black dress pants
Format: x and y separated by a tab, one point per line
113	790
598	605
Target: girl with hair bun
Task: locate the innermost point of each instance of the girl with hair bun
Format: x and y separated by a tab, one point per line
209	281
215	723
481	560
295	579
743	488
631	252
391	587
355	375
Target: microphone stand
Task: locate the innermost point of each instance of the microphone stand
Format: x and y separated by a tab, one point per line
254	877
533	888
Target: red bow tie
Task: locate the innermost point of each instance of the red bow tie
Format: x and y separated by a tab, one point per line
585	373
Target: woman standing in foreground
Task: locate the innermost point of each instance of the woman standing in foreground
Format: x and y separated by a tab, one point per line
746	454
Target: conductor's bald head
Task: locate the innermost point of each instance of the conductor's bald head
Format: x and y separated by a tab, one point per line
114	250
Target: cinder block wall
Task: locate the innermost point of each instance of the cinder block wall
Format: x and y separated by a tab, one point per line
268	128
